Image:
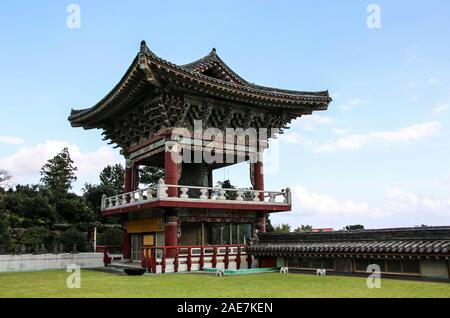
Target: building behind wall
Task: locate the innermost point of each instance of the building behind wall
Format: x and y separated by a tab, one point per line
421	252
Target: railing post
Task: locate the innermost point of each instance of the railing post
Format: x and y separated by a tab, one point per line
103	201
226	259
238	258
214	257
106	258
161	190
163	261
148	258
176	261
153	260
288	196
189	259
143	259
202	258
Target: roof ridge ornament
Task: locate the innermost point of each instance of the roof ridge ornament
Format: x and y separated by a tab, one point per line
144	65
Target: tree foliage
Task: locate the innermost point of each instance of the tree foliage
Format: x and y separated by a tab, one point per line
58	173
112	179
5	177
73	237
282	228
354	227
304	228
149	175
111	237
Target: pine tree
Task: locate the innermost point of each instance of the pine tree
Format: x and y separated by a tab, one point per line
112	179
149	175
58	173
5	177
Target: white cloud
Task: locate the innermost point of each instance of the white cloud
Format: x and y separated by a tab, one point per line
406	134
414	98
413	132
399	208
341	131
355	102
401	201
349	142
320	203
11	140
25	164
310	122
335	96
433	81
440	108
294	138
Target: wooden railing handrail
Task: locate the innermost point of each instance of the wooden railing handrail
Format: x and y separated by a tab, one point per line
149	259
193	246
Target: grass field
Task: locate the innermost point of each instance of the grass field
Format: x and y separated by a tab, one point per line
101	284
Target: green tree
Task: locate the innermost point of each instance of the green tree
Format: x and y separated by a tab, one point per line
111	237
150	175
304	228
282	228
58	173
354	227
73	236
5	177
112	179
34	237
74	209
5	232
230	195
31	204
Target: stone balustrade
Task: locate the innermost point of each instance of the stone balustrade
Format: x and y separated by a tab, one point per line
194	193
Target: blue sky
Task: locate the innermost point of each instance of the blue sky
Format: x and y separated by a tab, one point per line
379	156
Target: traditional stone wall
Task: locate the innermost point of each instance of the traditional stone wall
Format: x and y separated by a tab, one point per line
30	262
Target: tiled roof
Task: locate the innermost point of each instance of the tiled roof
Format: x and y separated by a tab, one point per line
423	241
208	75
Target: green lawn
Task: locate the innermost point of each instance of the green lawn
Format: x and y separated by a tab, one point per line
100	284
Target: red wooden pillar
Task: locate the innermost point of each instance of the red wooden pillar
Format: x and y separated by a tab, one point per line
153	260
144	258
238	258
170	232
258	177
171	158
126	244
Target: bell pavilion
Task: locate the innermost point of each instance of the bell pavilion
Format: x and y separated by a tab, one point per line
152	115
